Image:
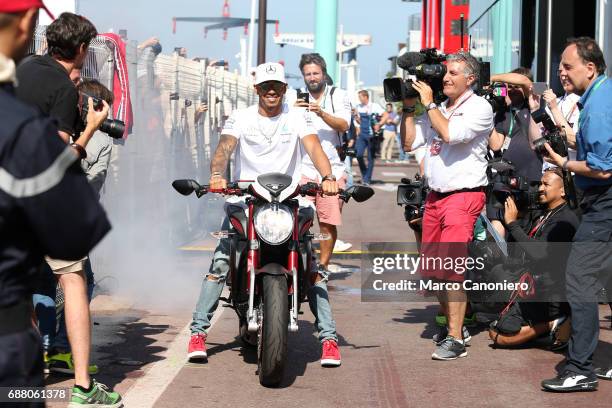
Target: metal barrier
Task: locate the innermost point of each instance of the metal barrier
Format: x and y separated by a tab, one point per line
169	141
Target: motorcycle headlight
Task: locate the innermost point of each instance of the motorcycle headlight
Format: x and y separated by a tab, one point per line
273	223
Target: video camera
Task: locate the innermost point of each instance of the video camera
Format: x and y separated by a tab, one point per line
427	66
412	194
112	127
504	183
551	135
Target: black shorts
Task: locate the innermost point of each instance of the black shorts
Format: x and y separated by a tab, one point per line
21	363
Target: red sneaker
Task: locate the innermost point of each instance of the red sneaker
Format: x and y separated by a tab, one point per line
197	347
331	354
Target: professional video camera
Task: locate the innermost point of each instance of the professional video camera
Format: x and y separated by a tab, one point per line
112	127
427	66
412	194
551	135
504	183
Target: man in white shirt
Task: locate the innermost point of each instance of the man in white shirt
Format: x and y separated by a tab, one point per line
267	137
330	110
456	136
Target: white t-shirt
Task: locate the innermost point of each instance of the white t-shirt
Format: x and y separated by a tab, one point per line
267	145
368	109
461	163
328	137
569	110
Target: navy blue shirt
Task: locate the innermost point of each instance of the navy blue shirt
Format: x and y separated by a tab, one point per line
594	138
46	204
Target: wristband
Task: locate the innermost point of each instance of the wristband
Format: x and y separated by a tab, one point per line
215	174
564	167
80	150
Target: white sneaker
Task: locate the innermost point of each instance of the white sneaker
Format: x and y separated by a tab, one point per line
341	246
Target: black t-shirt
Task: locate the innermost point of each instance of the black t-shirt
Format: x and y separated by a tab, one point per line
527	162
44	83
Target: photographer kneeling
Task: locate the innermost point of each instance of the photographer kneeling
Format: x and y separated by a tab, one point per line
522	322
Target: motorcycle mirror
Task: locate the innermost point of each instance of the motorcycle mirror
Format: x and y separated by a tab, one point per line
185	186
360	193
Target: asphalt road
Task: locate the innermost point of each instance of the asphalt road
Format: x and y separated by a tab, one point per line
386	347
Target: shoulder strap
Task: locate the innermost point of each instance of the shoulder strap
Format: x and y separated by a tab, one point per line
331	96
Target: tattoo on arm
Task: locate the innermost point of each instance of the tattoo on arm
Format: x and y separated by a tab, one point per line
224	151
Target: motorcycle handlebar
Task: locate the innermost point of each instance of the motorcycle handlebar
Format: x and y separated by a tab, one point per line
311	189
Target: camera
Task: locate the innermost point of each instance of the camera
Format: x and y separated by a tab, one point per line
425	65
112	127
496	96
412	194
551	135
504	183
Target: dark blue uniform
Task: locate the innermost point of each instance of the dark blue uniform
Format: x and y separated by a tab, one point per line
46	208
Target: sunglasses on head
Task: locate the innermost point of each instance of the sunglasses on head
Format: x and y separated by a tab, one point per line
268	85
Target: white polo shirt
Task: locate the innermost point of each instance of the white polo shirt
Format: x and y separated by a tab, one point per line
267	145
462	162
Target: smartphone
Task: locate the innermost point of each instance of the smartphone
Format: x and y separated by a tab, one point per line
538	88
500	90
303	96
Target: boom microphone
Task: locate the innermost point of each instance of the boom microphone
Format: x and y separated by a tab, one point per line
410	59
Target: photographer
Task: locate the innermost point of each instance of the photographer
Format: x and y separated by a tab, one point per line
456	134
39	187
45	83
331	114
589	267
525	321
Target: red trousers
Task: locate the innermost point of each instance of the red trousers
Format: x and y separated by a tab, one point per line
448	225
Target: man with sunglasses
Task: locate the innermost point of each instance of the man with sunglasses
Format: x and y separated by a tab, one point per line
268	137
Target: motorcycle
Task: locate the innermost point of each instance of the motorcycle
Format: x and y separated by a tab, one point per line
270	260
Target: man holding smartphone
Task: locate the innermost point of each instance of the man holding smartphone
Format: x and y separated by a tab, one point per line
330	109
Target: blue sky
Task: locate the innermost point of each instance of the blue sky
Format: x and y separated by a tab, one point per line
385	20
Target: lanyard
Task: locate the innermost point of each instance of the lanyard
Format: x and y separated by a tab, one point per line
452	113
581	118
512	114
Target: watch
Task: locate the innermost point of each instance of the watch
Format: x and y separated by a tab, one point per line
431	106
328	177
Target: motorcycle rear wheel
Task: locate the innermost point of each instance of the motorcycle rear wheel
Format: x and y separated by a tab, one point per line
274	330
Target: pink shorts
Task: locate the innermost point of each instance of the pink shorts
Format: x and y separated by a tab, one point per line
329	208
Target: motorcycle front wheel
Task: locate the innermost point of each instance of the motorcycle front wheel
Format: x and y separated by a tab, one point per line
273	330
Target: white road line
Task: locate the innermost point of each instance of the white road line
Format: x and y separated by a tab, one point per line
393	174
385	187
147	389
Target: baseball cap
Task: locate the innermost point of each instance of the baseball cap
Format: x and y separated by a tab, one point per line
16	6
269	71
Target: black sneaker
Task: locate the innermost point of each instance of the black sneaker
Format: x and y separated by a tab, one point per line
570	382
449	349
605	373
439	337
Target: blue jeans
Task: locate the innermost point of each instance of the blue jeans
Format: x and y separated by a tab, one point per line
208	301
348	166
44	306
363	143
402	153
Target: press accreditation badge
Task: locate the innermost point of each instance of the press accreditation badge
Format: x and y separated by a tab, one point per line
506	144
436	147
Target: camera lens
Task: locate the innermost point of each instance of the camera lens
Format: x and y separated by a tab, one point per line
113	128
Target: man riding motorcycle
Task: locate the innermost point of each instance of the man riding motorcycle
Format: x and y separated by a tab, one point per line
267	137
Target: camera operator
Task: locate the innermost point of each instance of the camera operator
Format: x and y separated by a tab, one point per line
510	138
590	261
525	321
39	187
45	83
456	134
331	111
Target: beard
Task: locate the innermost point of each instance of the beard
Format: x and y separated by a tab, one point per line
315	86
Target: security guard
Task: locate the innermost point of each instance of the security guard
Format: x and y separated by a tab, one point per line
43	195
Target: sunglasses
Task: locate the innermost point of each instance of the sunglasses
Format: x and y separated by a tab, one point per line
278	87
